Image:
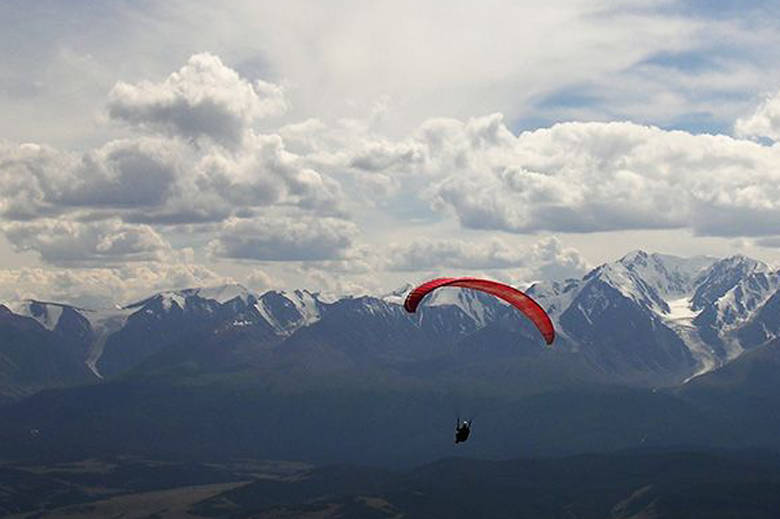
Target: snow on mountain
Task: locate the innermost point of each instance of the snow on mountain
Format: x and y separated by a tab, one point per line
480	307
104	322
223	293
398	296
288	311
680	319
555	296
735	287
698	300
307	306
738	303
670	276
652	279
649	280
167	301
723	275
220	294
729	296
705	299
646	310
48	314
477	306
101	323
701	299
763	325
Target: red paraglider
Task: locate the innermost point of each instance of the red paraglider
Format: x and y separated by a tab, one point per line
514	297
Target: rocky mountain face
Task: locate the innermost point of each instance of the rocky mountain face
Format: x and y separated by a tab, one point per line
40	352
646	320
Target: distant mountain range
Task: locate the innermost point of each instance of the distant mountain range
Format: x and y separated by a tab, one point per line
646	319
652	350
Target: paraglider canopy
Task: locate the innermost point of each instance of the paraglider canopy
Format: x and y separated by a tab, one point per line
511	295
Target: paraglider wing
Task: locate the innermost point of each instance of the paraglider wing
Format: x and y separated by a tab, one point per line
511	295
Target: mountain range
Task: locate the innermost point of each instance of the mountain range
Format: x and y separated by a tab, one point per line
651	350
646	319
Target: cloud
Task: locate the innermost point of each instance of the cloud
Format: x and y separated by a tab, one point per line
24	172
285	194
764	122
284	239
423	254
166	179
126	173
380	155
336	65
68	242
332	287
366	164
334	68
265	173
772	242
545	259
259	281
38	180
103	287
589	177
552	260
161	180
204	98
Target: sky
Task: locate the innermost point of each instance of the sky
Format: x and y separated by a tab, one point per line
348	147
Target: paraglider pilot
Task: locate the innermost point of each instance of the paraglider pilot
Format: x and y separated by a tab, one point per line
462	430
521	301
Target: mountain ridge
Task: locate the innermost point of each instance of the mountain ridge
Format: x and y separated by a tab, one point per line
647	318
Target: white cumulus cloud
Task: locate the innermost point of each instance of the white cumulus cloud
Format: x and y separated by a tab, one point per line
259	281
547	258
103	287
422	254
284	238
71	242
124	174
588	177
203	98
764	122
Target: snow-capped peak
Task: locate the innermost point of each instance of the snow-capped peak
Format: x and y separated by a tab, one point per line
478	306
630	284
48	314
737	264
220	294
651	280
635	256
723	275
397	296
555	296
670	276
288	311
224	293
737	304
308	306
